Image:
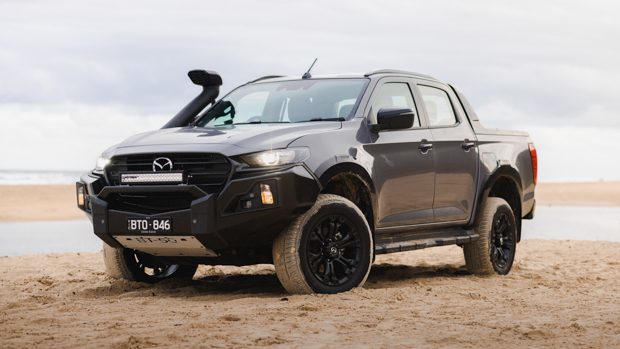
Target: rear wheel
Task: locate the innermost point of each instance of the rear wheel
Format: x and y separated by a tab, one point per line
133	265
494	252
329	249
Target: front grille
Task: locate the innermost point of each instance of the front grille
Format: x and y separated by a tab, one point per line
150	203
209	172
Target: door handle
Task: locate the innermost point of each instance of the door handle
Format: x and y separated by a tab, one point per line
425	147
467	145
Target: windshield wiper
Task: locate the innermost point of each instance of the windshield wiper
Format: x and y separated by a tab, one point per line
326	119
260	122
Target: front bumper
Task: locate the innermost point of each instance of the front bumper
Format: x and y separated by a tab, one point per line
217	221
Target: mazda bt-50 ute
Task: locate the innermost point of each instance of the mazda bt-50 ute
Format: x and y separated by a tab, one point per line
316	175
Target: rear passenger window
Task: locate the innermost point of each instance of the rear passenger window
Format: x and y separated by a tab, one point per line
438	106
394	94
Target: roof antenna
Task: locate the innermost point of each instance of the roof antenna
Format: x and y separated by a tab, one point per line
307	74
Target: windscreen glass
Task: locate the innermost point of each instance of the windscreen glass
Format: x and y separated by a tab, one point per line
288	101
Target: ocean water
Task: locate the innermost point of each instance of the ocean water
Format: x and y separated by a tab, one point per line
22	238
10	177
558	223
573	223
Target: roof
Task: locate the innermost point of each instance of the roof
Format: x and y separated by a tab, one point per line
348	75
400	72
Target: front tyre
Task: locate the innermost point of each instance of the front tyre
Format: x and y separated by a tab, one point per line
128	264
329	249
494	251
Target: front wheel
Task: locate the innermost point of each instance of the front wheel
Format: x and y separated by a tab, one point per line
329	249
495	250
133	265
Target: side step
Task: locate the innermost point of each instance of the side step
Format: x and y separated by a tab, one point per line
418	242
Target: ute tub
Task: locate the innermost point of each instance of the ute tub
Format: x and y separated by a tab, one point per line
217	221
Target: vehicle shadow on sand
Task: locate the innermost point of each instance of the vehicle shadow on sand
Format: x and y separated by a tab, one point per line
382	276
398	275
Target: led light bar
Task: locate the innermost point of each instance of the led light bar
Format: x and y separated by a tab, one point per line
155	177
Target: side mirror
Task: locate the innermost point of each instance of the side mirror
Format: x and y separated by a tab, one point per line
393	118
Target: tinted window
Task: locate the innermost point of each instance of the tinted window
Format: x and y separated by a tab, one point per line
438	106
394	94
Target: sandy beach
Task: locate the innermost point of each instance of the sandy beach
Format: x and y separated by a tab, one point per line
58	202
20	203
578	194
559	294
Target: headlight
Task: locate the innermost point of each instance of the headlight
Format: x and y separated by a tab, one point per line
101	163
277	157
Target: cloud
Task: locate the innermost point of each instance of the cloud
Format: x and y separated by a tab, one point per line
566	152
569	153
67	136
539	65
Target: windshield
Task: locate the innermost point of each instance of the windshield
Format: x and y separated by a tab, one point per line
287	101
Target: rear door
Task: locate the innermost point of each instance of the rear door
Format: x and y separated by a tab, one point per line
456	153
404	174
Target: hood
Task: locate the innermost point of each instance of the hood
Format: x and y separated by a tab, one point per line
250	138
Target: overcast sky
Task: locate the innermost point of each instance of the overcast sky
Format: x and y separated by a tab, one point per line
79	76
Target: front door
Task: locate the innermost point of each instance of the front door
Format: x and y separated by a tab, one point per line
456	153
404	174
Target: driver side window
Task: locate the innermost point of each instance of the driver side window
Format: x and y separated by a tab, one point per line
394	94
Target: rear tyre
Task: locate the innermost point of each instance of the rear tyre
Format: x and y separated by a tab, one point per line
494	252
329	249
128	264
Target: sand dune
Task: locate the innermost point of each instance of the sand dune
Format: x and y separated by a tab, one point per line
559	294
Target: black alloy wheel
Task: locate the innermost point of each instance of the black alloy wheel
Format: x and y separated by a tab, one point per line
494	251
502	245
148	266
133	265
333	250
328	249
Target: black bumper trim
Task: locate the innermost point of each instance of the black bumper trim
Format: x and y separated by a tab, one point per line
194	190
207	219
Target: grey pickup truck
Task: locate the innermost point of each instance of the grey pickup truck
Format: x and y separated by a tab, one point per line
316	175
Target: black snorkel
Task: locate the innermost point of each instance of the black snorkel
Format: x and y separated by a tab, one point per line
210	82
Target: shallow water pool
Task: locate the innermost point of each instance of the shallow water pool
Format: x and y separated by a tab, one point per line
562	223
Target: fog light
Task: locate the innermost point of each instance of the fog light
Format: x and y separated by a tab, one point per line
81	196
265	194
247	204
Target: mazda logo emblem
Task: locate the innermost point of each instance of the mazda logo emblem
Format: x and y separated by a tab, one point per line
162	164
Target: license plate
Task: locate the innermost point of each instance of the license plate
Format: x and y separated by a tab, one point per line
149	225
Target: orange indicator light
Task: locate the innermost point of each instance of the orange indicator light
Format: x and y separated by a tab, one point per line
81	196
265	194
